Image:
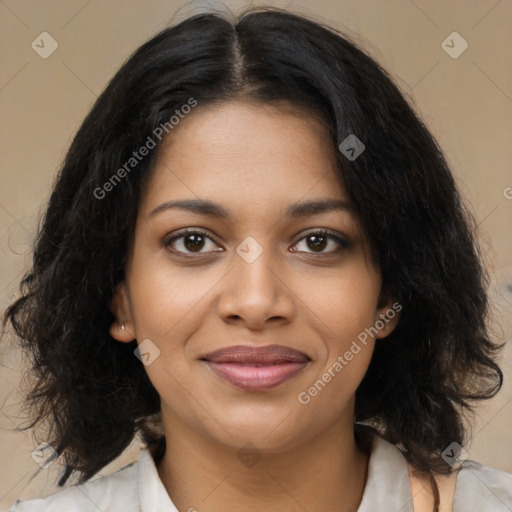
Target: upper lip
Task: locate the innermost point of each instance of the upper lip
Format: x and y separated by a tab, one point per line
270	354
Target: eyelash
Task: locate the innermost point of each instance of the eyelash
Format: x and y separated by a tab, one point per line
342	243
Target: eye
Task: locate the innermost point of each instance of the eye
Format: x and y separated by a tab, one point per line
319	240
190	241
195	241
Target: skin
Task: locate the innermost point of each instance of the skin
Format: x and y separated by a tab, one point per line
254	160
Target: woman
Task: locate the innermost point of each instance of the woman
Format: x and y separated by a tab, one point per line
256	258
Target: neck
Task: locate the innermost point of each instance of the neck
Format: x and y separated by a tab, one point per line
328	472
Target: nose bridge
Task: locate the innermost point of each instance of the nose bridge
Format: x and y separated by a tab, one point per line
255	267
254	291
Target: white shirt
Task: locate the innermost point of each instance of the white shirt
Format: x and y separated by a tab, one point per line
137	488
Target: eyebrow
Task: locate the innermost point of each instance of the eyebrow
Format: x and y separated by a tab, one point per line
212	209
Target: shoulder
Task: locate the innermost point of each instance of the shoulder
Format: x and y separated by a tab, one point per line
472	486
117	491
483	487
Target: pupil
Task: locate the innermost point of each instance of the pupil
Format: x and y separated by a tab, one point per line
317	244
197	242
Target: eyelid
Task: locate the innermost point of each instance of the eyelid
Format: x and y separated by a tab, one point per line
325	231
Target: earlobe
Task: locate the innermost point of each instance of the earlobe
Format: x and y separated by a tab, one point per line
121	332
387	319
122	328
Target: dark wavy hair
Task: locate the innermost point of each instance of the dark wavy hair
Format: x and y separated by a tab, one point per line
90	391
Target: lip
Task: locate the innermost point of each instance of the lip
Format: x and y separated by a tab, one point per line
256	368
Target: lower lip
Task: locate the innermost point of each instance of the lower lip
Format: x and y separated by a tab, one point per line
255	378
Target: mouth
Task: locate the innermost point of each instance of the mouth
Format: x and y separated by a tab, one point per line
256	368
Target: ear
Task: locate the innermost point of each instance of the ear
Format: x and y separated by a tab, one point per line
387	316
122	328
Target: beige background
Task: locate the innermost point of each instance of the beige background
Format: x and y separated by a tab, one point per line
466	102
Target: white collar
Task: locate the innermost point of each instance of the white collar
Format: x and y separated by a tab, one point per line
152	493
388	486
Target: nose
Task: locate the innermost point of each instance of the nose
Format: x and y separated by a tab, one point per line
255	294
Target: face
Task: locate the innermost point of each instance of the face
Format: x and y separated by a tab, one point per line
265	273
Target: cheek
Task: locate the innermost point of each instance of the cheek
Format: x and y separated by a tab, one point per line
165	299
348	310
344	302
345	305
166	308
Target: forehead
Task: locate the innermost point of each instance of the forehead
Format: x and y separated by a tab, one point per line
242	153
